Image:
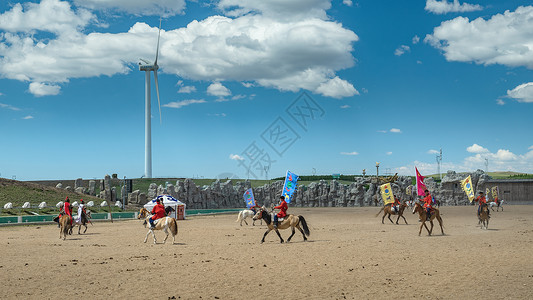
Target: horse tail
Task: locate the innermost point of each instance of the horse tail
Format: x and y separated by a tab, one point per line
304	225
379	212
239	216
174	227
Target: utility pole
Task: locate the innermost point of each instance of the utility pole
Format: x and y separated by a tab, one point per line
377	169
486	165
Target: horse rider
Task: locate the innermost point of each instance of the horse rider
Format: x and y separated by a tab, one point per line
67	209
497	201
282	211
81	211
428	204
482	201
253	208
158	212
396	204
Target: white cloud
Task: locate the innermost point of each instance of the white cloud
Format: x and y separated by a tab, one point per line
280	9
382	131
217	89
395	130
218	115
389	153
503	39
27	118
162	8
180	104
500	102
475	148
443	7
7	106
345	106
401	50
40	89
350	153
522	93
336	88
53	16
432	151
287	45
248	84
347	2
416	39
237	97
235	157
530	147
187	89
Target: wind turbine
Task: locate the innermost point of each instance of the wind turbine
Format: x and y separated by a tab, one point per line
148	67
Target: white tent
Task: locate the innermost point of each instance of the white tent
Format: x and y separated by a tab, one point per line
167	201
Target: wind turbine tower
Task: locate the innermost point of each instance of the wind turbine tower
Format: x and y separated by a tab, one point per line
439	162
148	67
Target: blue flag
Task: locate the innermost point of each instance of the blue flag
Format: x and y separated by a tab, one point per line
290	186
249	198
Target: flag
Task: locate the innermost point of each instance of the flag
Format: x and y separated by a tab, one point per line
408	190
466	184
420	186
249	198
495	192
290	186
386	193
487	194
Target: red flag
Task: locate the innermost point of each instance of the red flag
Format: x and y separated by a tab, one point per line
420	186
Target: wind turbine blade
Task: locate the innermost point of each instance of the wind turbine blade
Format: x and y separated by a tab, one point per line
158	37
157	90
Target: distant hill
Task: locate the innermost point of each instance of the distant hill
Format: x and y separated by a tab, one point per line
19	192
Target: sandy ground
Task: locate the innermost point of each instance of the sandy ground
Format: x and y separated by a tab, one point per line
349	255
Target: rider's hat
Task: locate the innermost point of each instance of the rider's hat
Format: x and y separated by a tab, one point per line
481	192
81	200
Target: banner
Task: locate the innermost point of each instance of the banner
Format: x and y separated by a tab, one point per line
487	194
420	186
495	192
466	184
409	190
249	198
290	186
386	193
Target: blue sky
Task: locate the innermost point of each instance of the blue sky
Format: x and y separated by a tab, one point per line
255	88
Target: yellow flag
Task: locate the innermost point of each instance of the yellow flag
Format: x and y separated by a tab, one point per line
466	184
487	194
495	192
386	193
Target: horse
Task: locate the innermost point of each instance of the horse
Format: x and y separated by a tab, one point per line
169	210
83	220
162	224
498	205
387	211
244	214
422	215
484	217
64	226
291	221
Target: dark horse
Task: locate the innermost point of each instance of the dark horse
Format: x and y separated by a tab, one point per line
291	221
387	211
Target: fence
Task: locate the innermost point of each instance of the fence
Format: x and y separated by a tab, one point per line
102	216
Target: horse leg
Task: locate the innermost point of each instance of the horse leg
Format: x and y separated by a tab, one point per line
244	219
397	219
301	230
390	218
422	225
403	219
280	238
383	219
431	229
440	223
166	237
290	237
264	235
85	228
148	233
79	227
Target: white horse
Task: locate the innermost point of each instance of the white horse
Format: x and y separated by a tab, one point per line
244	214
492	204
162	224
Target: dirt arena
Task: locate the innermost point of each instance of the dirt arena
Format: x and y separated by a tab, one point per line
349	255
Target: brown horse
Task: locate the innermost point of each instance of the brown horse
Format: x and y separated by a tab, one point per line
387	211
64	226
422	215
162	224
290	221
484	217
